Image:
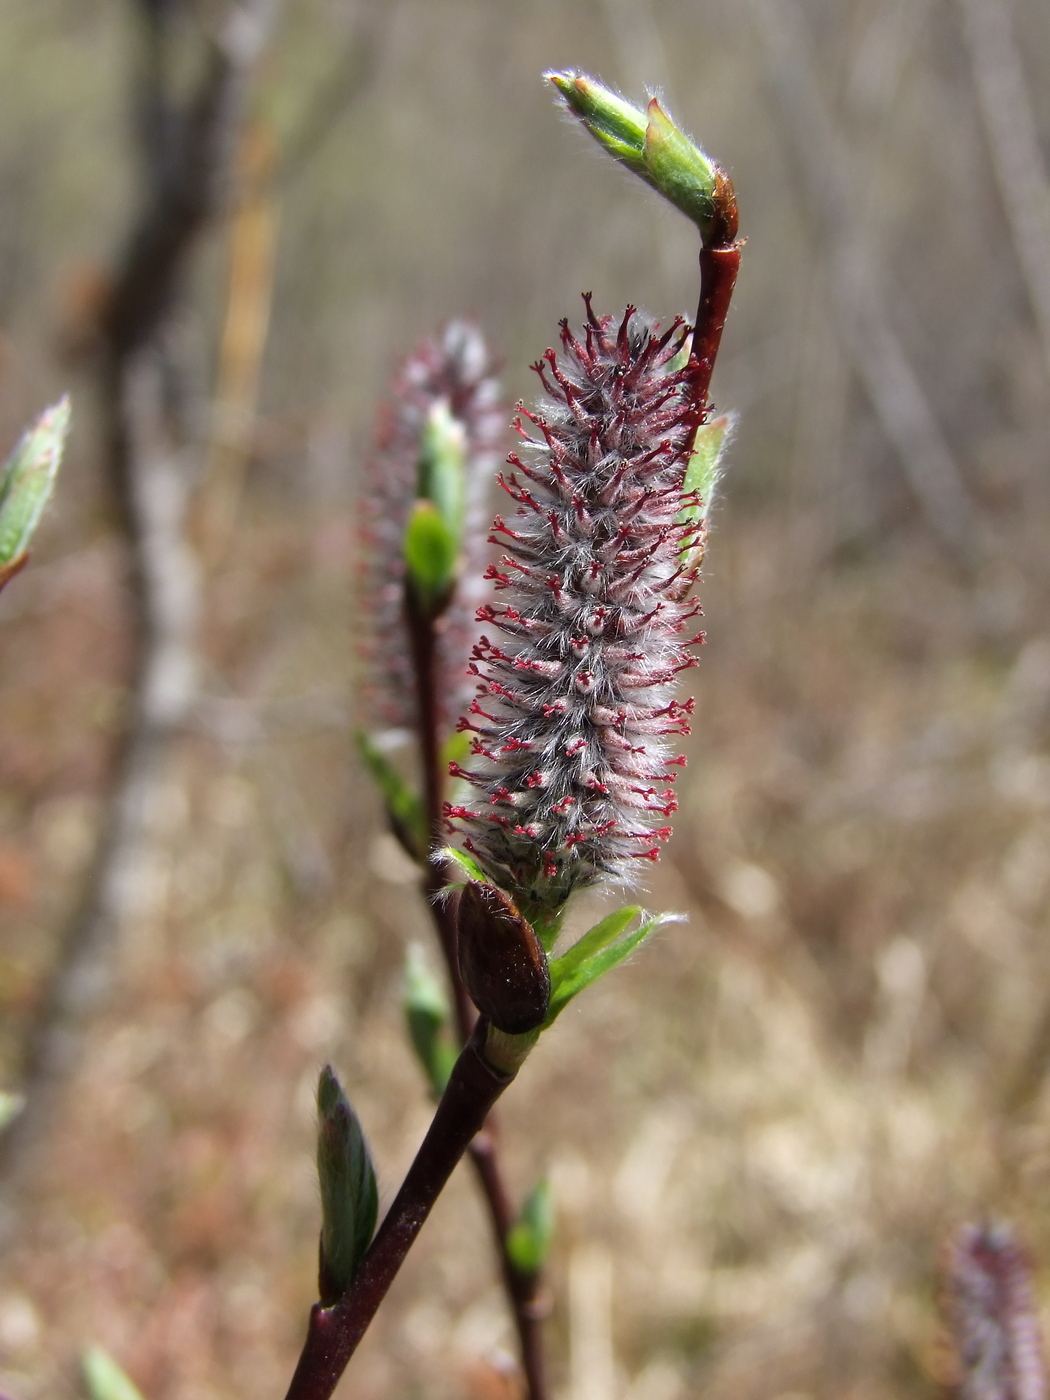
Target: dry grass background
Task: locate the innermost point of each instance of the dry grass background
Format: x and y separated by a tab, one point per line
760	1131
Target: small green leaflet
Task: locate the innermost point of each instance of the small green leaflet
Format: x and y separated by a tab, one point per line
103	1378
529	1238
349	1196
428	1017
403	805
601	948
27	480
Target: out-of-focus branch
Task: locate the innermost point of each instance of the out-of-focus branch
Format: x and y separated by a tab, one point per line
881	363
187	148
1013	140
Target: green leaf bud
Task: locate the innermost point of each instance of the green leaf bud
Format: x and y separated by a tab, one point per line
104	1379
529	1238
678	169
442	460
428	1017
615	124
647	142
431	555
349	1197
26	482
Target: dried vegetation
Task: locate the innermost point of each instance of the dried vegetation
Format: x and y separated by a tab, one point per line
761	1131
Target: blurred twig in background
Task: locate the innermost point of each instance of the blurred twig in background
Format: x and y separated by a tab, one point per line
1013	139
881	363
186	146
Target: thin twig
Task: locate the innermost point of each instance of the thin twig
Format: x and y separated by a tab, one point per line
148	462
883	367
1013	138
524	1290
335	1332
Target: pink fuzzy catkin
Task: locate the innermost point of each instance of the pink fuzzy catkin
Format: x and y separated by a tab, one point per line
992	1313
456	369
571	767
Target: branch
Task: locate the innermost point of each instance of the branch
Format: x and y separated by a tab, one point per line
1013	139
335	1332
149	465
881	363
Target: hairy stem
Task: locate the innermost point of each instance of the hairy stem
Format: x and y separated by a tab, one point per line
719	265
335	1332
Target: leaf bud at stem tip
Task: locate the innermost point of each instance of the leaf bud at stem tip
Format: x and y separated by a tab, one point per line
349	1197
503	965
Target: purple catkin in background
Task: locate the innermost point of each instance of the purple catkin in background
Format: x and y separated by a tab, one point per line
574	702
992	1315
454	368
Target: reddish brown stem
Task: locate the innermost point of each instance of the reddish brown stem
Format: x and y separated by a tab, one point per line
524	1290
334	1333
719	265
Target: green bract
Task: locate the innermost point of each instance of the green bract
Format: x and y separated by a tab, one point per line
705	467
647	142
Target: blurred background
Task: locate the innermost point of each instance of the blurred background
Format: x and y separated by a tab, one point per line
760	1132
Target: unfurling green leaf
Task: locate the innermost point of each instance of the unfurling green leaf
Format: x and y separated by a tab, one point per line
104	1379
529	1239
617	125
349	1197
26	482
600	949
403	807
428	1016
431	555
647	142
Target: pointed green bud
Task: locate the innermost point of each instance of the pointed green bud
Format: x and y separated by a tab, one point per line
530	1237
26	482
428	1017
349	1197
503	964
678	169
103	1378
431	555
647	142
442	460
614	123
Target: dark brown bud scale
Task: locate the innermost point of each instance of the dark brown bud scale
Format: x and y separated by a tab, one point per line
503	964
